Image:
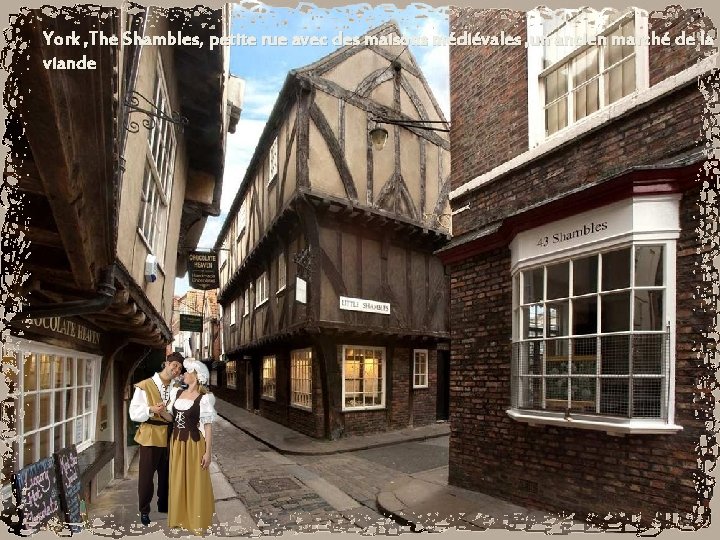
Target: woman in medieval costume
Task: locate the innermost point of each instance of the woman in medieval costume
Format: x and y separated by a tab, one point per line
191	499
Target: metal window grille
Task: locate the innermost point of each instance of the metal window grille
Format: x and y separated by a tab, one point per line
622	375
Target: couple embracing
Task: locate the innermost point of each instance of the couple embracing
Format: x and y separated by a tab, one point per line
180	419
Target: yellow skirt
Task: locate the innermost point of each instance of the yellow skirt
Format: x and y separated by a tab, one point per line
191	503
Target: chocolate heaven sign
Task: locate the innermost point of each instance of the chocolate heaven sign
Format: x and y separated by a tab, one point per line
203	270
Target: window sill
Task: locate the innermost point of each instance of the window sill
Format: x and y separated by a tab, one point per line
280	290
269	398
301	407
421	387
613	426
360	409
261	304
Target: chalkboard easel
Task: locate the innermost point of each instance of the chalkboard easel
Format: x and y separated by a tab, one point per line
36	493
70	486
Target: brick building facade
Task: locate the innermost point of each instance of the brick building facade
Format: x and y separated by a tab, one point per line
576	177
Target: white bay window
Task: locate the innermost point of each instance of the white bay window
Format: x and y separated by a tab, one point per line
363	370
593	319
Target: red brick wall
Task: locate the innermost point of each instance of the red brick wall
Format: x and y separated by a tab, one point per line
670	125
489	103
563	469
667	60
489	87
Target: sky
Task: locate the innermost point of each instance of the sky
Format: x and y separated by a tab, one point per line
264	67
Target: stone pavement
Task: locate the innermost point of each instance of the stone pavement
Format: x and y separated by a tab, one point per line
290	442
115	513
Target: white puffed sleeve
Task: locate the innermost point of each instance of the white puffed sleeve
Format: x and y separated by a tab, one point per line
207	409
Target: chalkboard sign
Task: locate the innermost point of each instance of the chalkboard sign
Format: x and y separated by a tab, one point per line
36	493
70	486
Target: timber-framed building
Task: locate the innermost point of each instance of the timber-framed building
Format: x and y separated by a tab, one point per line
334	306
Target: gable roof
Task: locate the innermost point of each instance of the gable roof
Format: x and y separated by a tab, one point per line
311	75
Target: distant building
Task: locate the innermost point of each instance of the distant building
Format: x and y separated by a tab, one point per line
574	266
334	306
114	198
204	345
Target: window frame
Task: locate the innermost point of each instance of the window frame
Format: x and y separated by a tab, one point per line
158	173
426	374
281	273
21	348
293	379
261	290
268	386
228	372
537	129
273	158
609	423
383	389
246	302
233	309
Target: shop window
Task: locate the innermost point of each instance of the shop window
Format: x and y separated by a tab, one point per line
231	374
580	61
420	368
159	171
592	334
363	377
269	380
301	378
58	393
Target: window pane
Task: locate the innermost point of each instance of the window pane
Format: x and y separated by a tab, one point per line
556	393
45	418
30	410
533	317
648	266
530	393
29	446
88	400
59	371
533	283
558	316
616	269
88	428
616	312
89	371
531	357
59	406
585	273
647	398
648	354
80	362
584	315
583	395
70	410
69	371
615	355
30	373
69	432
58	438
558	281
648	310
44	371
614	397
45	435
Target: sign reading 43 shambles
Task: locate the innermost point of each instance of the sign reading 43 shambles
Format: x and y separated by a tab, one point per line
203	270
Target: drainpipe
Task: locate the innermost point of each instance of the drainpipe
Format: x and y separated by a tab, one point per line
104	297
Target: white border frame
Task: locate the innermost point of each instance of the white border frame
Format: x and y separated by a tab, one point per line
427	368
312	381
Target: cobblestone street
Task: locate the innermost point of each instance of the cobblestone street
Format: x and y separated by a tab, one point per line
301	493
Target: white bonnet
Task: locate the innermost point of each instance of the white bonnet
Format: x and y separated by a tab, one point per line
200	369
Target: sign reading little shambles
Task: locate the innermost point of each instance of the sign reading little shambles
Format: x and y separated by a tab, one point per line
203	270
368	306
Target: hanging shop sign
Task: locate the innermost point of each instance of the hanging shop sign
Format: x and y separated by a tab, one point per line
203	270
191	323
367	306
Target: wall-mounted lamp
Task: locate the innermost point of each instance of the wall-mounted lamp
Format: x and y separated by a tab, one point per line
379	135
